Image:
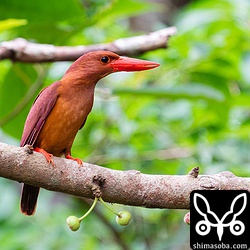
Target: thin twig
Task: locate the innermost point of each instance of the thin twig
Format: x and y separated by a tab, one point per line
25	51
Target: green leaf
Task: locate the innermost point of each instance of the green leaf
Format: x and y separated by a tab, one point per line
119	9
11	23
49	21
190	91
14	86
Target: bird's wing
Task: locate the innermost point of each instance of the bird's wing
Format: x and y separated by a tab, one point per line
40	110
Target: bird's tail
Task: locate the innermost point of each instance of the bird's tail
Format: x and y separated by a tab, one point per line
29	199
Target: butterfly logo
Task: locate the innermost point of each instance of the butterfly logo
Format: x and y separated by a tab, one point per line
210	219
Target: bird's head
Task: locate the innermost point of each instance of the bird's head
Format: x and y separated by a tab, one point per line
98	64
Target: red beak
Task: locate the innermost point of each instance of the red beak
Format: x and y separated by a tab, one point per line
132	64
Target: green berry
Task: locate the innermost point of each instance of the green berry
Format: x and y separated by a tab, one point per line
123	218
73	222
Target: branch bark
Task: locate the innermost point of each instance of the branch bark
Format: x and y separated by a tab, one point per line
25	51
125	187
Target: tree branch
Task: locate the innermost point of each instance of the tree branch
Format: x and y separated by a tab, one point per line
24	51
124	187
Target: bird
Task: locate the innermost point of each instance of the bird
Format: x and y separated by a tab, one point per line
61	109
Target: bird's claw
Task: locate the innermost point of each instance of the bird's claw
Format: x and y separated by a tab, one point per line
47	155
79	161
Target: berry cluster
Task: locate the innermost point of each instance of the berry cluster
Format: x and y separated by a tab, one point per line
122	218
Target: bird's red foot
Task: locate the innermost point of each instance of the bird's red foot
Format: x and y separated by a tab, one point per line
79	161
47	155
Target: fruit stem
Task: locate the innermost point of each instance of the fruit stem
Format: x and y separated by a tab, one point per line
108	207
90	210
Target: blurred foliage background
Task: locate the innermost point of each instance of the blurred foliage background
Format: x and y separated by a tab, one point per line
191	111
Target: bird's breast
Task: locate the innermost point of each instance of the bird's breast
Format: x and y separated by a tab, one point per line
63	123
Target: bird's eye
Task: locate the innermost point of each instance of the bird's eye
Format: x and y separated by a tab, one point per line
105	59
